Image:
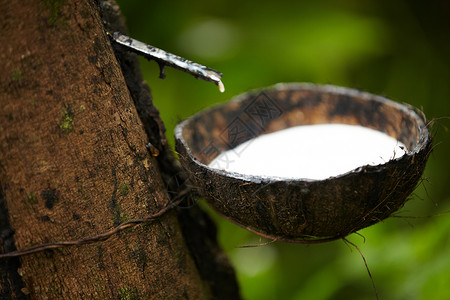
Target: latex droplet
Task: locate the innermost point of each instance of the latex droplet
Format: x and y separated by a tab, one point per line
153	150
221	86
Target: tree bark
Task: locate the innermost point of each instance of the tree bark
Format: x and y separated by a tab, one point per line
73	163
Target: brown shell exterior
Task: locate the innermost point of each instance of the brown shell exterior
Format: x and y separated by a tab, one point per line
334	207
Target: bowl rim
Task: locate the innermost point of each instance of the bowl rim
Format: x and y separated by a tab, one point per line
415	113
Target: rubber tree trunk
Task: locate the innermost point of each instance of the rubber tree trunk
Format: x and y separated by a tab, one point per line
74	121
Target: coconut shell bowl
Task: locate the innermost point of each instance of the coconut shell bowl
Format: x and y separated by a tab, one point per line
303	210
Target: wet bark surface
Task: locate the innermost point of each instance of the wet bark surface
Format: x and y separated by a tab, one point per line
73	163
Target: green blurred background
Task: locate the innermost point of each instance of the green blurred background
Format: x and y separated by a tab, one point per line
399	48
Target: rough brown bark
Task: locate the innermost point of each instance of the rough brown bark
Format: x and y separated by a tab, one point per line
73	163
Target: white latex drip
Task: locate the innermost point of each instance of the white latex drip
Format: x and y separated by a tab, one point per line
310	152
